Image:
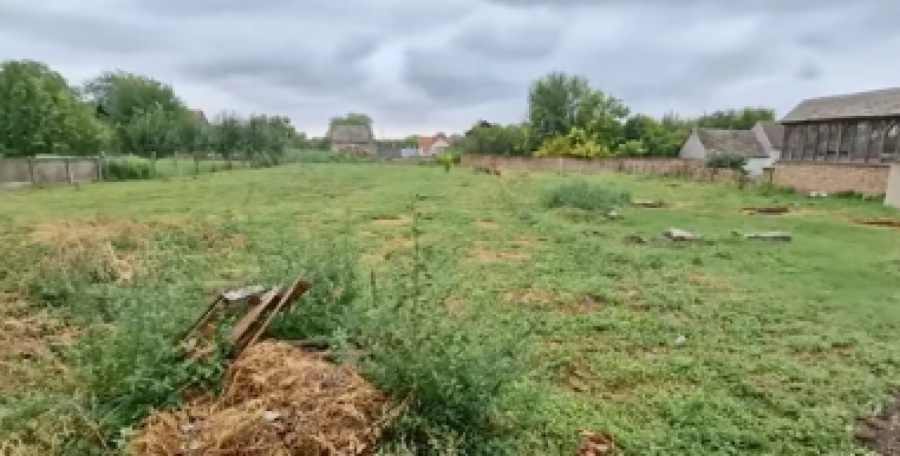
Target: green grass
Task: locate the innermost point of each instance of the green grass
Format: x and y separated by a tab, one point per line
716	348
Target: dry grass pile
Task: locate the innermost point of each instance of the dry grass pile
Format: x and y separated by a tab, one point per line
117	249
26	340
277	400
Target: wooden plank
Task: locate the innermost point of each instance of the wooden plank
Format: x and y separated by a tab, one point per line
252	317
300	286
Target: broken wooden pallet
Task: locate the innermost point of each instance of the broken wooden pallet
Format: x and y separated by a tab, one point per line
260	307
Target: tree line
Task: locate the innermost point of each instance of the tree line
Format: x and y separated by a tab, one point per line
567	117
119	112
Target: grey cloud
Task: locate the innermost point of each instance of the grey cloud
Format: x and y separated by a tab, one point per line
80	31
453	82
206	7
424	65
809	72
298	73
524	42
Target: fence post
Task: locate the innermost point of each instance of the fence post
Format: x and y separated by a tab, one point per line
69	176
31	173
98	162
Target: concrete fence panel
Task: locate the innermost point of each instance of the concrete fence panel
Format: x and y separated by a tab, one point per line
21	172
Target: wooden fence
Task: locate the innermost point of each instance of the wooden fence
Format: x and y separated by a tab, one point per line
22	172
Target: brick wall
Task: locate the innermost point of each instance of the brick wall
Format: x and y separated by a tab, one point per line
868	179
693	169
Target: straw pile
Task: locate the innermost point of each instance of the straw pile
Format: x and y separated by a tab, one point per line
277	400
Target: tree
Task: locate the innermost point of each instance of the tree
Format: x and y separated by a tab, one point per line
353	118
41	114
736	119
124	96
227	135
153	132
553	104
601	117
559	103
495	139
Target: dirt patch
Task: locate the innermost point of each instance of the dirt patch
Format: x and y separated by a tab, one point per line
881	432
710	282
277	400
566	303
774	210
488	256
526	241
27	338
388	248
887	223
397	220
487	224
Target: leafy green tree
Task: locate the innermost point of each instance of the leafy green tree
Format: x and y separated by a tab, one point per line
553	102
495	139
227	136
559	103
125	96
353	118
153	132
601	118
41	114
735	119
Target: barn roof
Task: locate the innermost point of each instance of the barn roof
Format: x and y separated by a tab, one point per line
774	132
740	142
344	133
873	103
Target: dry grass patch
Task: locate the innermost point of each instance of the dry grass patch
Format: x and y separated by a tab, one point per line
388	248
711	282
489	256
487	224
118	248
398	220
27	358
277	400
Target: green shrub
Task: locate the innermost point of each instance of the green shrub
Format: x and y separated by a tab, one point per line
726	161
126	169
586	196
449	369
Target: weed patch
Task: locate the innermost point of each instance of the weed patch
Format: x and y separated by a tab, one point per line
586	196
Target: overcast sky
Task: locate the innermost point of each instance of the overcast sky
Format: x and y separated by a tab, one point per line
424	66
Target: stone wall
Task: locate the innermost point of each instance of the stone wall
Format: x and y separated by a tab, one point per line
692	169
868	179
20	172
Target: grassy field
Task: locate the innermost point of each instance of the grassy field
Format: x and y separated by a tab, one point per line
523	325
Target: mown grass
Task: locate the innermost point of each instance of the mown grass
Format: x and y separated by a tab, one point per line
514	326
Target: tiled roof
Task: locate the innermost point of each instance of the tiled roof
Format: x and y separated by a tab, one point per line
874	103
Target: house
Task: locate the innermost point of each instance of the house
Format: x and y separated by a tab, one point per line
771	136
432	145
860	127
356	139
705	142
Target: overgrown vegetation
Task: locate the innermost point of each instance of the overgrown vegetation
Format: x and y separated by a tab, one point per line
588	196
727	161
504	328
568	118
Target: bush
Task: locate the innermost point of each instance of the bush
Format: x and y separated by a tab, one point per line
126	168
586	196
727	161
449	368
